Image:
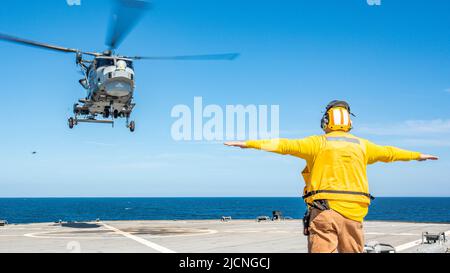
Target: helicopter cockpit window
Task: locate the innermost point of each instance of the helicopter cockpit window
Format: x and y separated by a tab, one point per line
104	62
129	64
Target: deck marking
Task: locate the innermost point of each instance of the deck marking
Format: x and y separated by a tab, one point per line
408	245
56	235
413	244
391	234
210	231
139	240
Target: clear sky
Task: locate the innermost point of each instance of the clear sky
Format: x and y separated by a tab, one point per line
391	62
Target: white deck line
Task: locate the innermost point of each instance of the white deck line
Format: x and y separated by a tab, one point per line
140	240
392	234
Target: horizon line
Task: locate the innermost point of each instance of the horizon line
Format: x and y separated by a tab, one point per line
178	197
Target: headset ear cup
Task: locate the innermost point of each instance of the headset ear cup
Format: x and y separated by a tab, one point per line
325	121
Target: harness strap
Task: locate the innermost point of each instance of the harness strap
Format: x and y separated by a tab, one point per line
309	194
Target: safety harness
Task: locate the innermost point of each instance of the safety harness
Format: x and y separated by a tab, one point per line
323	205
309	194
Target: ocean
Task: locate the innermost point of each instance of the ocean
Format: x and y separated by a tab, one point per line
39	210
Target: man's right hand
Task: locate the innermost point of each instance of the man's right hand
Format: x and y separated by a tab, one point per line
238	144
424	157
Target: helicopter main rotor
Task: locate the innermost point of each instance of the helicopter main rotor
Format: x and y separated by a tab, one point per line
124	18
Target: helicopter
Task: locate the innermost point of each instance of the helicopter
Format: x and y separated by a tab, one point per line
109	78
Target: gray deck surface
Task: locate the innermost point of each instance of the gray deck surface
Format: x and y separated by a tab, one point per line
190	237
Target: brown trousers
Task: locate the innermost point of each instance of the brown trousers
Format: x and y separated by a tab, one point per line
330	232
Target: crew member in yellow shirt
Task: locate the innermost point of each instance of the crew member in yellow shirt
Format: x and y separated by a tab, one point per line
337	189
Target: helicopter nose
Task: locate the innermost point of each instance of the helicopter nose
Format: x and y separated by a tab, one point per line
118	88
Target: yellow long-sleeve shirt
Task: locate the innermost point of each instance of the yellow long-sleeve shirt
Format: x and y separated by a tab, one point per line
337	161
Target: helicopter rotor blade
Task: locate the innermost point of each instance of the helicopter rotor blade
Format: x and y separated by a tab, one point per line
125	17
17	40
215	57
26	42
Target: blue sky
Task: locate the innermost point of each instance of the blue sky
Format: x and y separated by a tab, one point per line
391	62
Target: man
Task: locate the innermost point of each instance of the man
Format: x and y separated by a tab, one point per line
337	189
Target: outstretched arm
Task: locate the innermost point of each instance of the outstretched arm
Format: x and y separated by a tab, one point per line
302	148
376	153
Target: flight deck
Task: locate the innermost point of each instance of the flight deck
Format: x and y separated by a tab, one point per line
214	236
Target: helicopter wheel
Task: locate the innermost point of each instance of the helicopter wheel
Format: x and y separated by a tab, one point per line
132	126
106	114
75	109
116	114
71	123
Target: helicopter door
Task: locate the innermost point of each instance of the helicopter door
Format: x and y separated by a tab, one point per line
92	77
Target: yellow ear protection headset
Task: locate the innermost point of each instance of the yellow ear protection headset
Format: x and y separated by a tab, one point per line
337	117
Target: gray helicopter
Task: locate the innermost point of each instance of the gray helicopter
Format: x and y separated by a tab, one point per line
110	78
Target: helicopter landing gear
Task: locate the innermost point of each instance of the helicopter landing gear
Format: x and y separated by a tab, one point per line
82	115
106	114
71	123
89	119
132	126
76	110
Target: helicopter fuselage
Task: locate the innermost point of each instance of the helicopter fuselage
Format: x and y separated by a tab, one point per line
110	85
